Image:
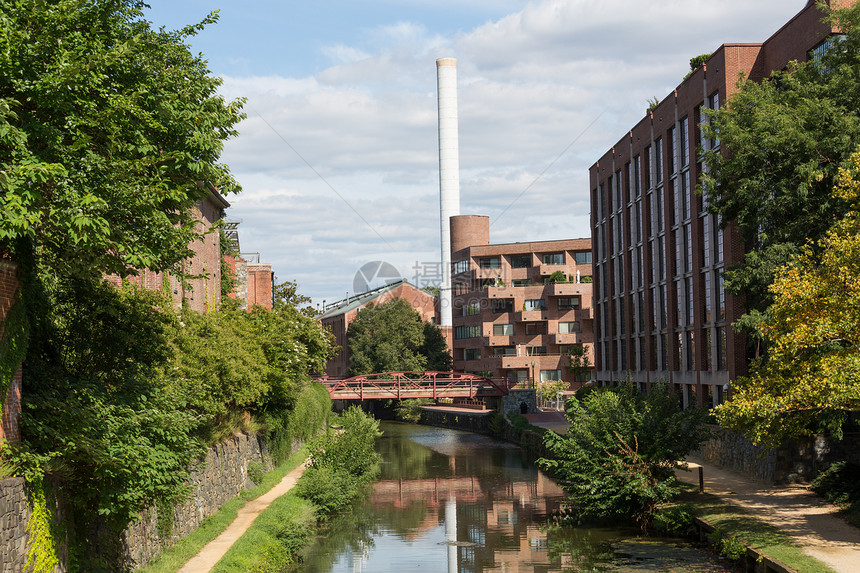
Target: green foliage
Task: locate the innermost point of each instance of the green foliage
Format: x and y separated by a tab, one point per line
432	290
108	126
42	550
840	485
557	277
787	135
728	546
235	361
410	410
435	349
256	470
675	519
341	463
390	337
617	459
810	378
578	363
273	540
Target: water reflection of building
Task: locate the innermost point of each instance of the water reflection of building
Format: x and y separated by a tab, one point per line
495	519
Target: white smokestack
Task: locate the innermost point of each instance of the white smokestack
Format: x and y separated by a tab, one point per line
449	171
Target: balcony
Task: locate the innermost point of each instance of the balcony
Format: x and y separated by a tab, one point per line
497	340
547	270
488	273
518	362
566	289
500	291
567	338
530	316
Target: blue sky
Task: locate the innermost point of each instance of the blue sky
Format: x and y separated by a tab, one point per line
338	156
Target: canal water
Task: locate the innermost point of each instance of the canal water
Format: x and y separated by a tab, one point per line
451	501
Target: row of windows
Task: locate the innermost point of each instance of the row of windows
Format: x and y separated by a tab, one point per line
714	351
503	305
538	327
523	261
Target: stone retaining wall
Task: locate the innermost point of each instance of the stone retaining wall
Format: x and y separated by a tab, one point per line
792	462
221	477
477	421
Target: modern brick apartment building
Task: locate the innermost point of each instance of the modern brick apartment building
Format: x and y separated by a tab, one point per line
255	281
661	312
508	320
338	315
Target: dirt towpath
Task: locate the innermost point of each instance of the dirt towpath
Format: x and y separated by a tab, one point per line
204	561
812	522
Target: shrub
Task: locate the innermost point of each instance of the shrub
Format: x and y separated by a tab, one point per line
410	410
617	459
256	471
840	485
728	546
674	519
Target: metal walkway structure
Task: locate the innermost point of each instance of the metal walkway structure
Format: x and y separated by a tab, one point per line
407	385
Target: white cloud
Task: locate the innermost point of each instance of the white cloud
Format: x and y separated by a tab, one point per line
554	75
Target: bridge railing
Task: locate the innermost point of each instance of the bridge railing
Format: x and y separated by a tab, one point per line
402	385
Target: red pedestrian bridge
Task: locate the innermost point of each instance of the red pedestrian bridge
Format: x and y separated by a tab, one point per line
406	385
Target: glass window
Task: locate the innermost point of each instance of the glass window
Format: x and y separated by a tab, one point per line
548	375
461	267
636	177
471	309
684	150
553	259
471	354
535	350
503	305
504	351
534	304
491	263
568	327
521	261
568	303
462	332
673	150
503	330
533	328
521	282
583	257
658	160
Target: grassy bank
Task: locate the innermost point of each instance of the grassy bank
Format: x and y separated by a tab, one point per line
735	523
176	556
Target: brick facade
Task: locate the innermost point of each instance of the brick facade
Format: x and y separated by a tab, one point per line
338	316
202	294
661	312
9	429
509	321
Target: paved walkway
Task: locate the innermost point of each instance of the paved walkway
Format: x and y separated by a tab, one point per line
204	561
794	509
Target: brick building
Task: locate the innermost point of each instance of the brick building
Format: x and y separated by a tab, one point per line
661	312
202	294
9	428
337	316
509	320
255	281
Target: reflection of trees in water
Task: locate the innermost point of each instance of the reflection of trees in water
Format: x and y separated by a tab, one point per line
352	532
582	549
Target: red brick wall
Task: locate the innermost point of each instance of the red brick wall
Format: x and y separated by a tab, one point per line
260	282
9	430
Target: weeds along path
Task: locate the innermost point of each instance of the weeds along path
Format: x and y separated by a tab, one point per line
204	561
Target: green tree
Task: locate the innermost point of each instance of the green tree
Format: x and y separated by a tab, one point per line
435	349
578	363
782	142
811	377
107	128
391	337
617	458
